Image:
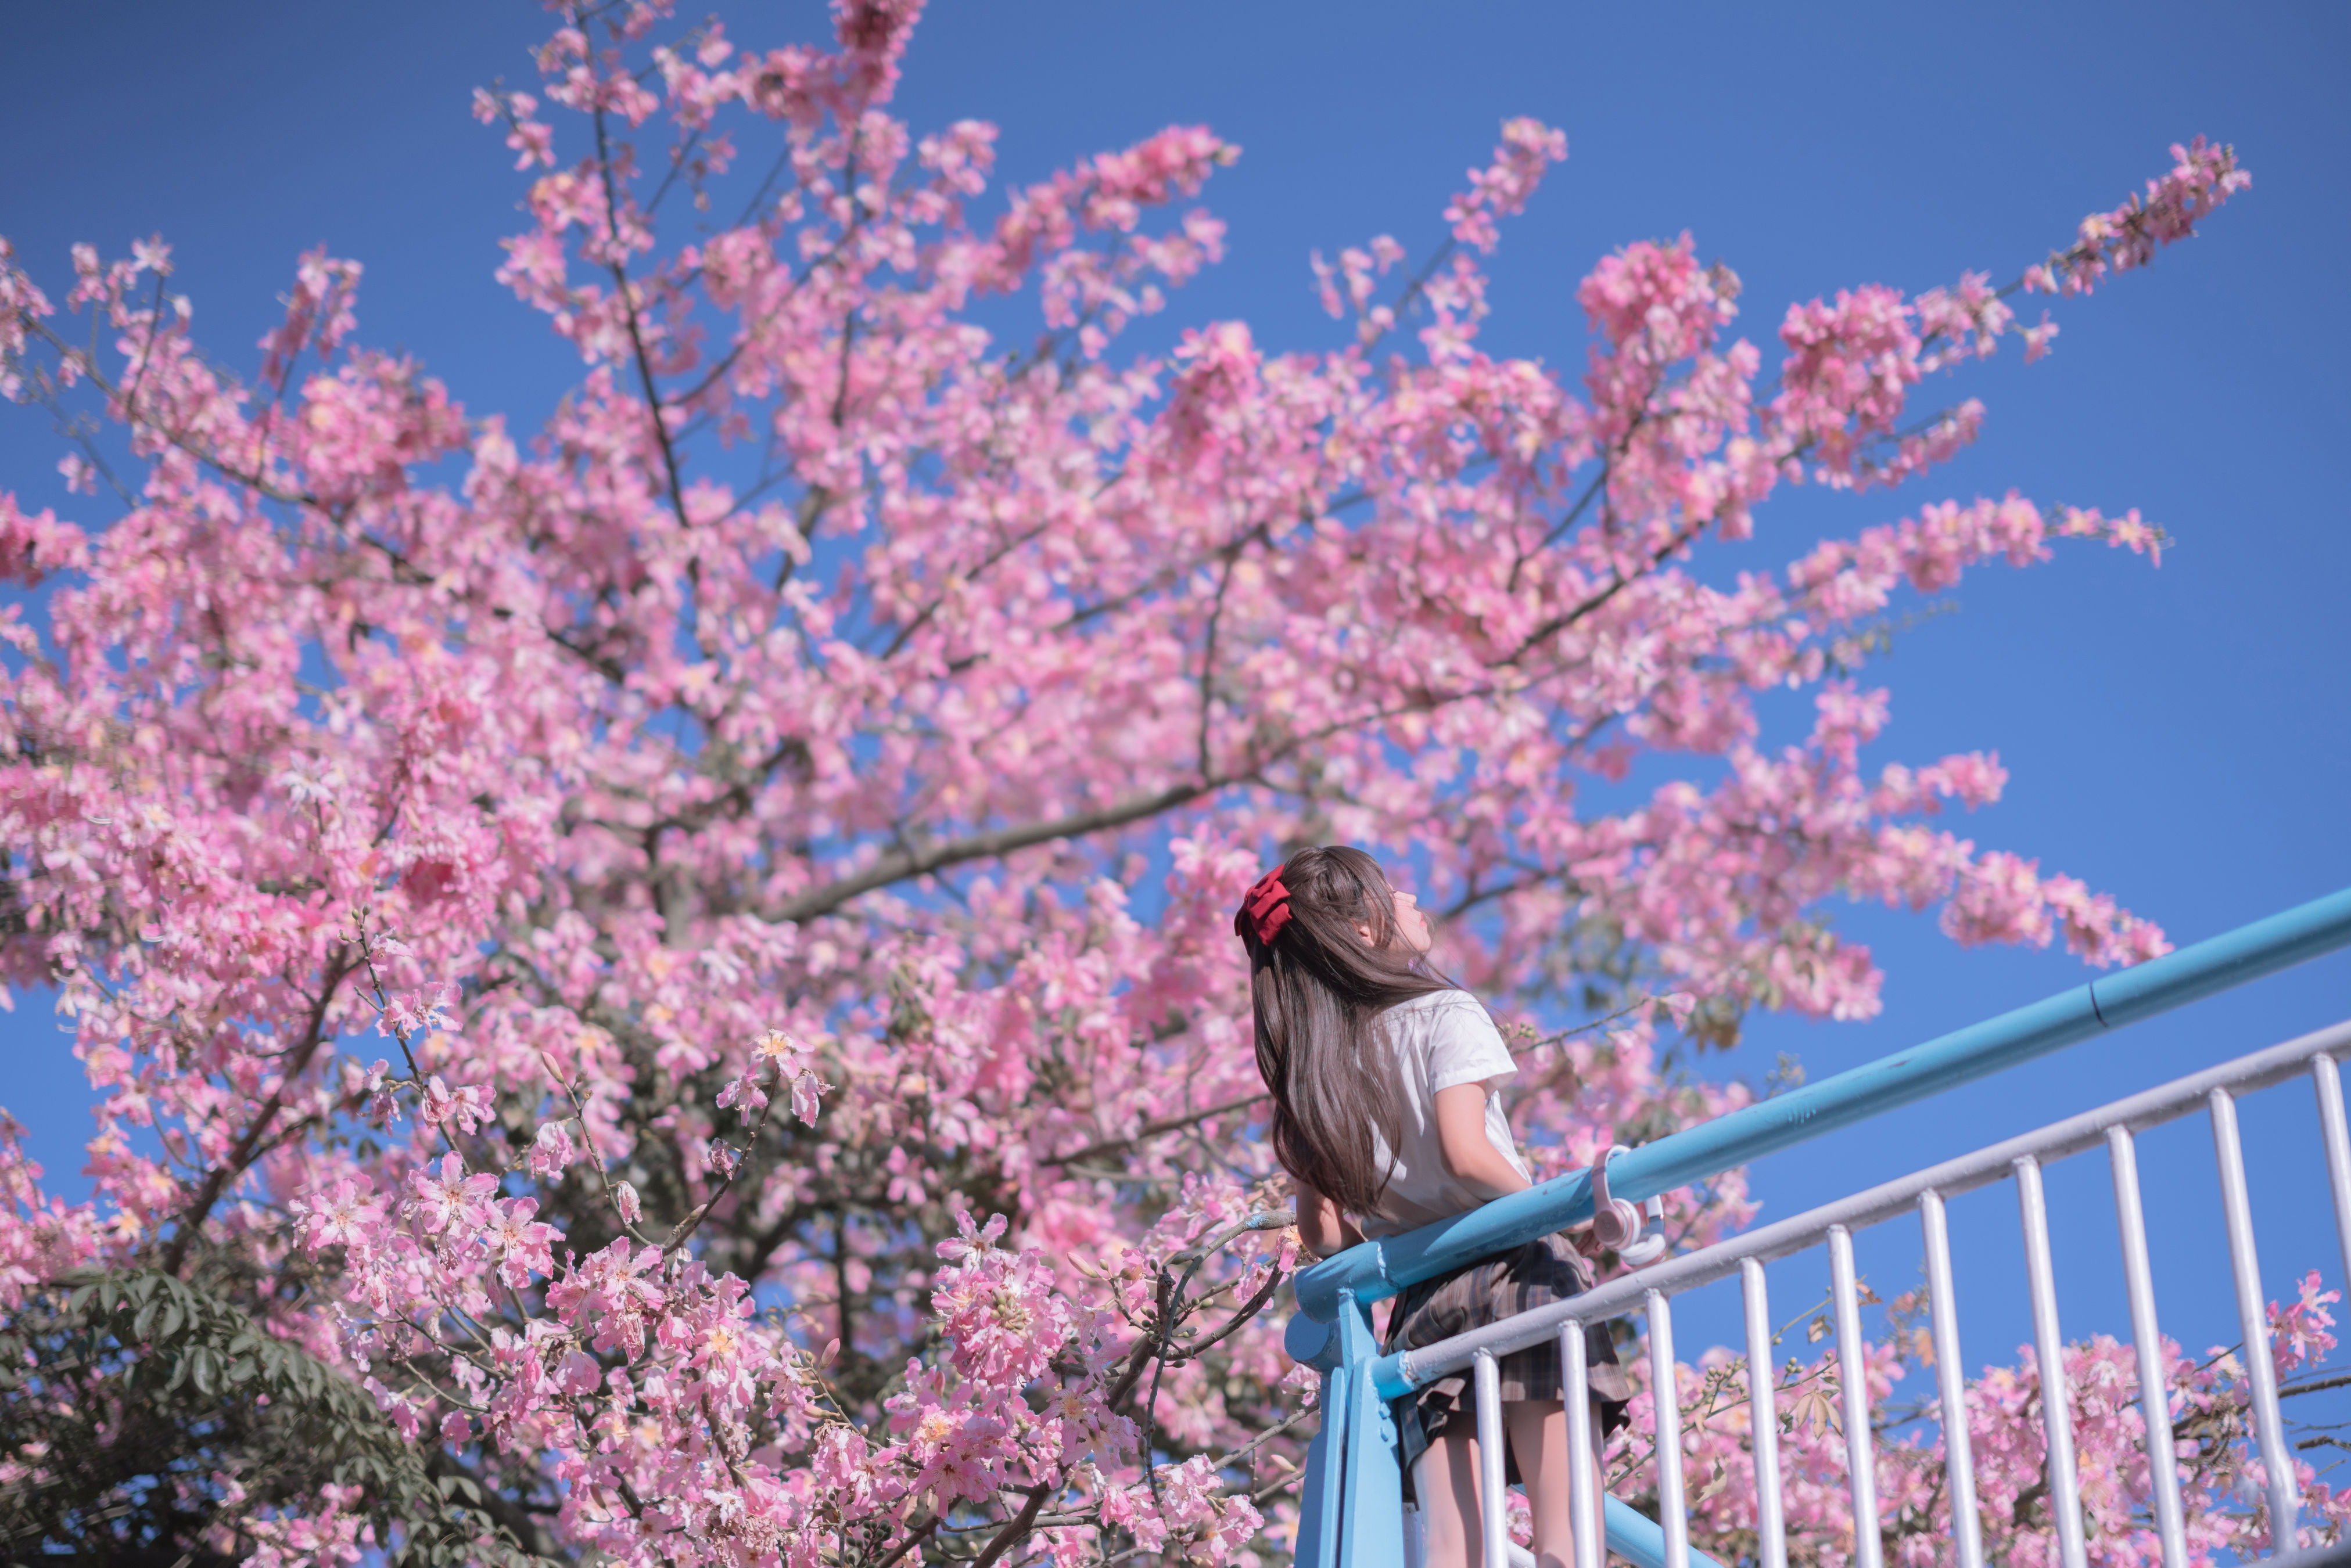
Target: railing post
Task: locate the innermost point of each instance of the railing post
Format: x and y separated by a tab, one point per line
1853	1383
1493	1464
1952	1384
2049	1351
2147	1344
1314	1344
1666	1402
1763	1415
2328	1080
2245	1270
1371	1529
1583	1500
1324	1490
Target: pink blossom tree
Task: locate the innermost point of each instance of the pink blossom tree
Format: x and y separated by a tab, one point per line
664	987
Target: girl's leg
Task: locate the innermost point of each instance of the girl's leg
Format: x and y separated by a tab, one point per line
1538	1429
1445	1480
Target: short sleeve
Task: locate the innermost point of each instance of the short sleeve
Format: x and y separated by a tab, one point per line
1465	1047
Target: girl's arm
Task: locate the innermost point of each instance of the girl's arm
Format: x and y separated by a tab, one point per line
1322	1230
1469	1154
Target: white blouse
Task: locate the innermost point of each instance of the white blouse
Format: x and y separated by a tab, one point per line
1437	1042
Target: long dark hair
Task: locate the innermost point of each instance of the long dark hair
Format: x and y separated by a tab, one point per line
1316	989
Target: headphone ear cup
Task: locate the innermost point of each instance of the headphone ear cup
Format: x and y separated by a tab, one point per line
1615	1223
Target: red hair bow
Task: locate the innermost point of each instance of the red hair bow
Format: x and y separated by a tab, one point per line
1266	906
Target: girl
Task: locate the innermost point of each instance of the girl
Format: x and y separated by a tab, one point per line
1384	1079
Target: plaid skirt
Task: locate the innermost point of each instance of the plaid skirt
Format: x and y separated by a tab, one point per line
1486	1291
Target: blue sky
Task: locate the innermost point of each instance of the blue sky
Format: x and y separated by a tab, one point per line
2175	736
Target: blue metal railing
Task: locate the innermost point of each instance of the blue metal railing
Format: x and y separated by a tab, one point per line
1350	1509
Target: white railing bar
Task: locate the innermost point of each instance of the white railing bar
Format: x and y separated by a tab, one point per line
2049	1351
1951	1384
1673	1500
1853	1385
1762	1418
2147	1339
2059	1141
1583	1497
2328	1083
2261	1370
1493	1503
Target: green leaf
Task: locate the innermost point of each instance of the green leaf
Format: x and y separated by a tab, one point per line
181	1334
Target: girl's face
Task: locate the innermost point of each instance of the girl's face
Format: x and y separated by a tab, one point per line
1411	924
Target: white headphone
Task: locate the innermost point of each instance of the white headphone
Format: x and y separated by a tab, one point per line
1621	1228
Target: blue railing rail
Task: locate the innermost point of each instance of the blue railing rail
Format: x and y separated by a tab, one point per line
1344	1478
1377	1269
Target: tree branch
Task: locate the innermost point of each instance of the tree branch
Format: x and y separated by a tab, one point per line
1241	1318
1153	1129
617	266
1015	1528
921	617
1208	655
175	1251
900	864
1567	619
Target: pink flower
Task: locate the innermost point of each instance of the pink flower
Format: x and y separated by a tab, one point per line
521	1243
2298	1334
342	1217
467	1107
580	1374
450	1199
414	1012
32	547
743	1095
551	1150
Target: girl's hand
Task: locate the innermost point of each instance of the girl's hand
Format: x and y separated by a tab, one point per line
1469	1154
